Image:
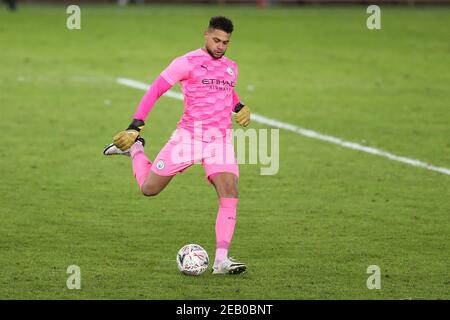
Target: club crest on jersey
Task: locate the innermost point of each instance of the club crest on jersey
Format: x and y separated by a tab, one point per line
230	71
160	165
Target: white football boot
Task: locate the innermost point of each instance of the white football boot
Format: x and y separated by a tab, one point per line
229	266
111	149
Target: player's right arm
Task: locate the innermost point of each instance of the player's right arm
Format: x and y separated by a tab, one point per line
178	70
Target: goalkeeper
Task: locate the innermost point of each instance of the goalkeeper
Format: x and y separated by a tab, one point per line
208	80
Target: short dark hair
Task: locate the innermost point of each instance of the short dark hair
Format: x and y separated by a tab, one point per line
221	23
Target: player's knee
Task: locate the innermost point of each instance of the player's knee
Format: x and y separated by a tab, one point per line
150	191
229	190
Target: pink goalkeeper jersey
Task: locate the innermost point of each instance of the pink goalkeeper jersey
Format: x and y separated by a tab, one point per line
208	88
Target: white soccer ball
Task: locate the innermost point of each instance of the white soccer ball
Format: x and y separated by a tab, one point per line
192	260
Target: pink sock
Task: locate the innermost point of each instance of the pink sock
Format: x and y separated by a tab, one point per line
226	220
141	164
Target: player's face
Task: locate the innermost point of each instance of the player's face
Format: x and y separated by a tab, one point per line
216	42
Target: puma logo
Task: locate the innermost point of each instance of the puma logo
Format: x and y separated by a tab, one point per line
204	67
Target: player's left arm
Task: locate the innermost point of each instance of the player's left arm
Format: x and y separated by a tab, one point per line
242	111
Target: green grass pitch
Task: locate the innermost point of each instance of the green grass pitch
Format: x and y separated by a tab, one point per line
309	232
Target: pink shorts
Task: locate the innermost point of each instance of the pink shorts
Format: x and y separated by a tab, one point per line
182	151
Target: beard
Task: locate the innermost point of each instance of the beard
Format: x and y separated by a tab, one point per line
211	53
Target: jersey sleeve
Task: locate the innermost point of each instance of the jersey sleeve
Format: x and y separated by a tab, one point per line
157	89
236	99
177	70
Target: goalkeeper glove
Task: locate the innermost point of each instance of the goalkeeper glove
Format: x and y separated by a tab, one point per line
125	139
242	114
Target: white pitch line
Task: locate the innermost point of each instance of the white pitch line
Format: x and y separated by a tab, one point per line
305	132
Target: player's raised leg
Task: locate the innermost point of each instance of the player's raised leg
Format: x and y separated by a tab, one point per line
226	188
149	182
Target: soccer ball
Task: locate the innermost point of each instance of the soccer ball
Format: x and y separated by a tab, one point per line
192	260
